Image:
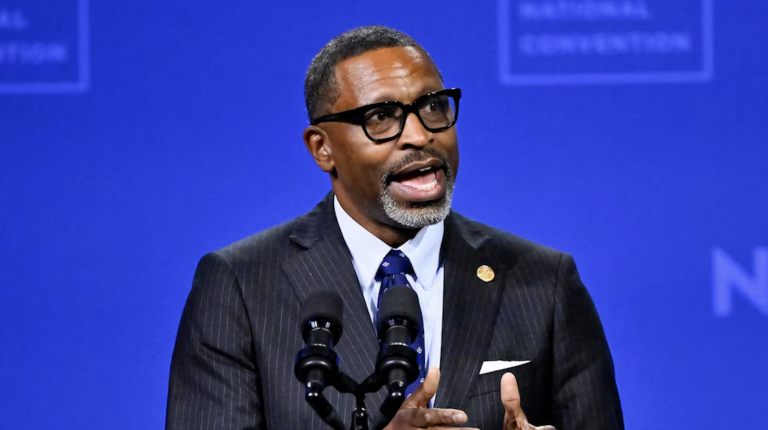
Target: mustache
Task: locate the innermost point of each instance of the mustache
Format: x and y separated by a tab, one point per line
422	155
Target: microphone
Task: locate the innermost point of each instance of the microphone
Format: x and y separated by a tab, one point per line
321	316
398	326
317	364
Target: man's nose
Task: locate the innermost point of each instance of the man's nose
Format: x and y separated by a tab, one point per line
414	134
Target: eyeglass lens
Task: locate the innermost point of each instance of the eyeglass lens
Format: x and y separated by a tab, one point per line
436	112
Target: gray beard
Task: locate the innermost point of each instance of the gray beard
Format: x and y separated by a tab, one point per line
418	215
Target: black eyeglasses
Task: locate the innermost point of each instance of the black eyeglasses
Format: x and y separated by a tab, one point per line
385	121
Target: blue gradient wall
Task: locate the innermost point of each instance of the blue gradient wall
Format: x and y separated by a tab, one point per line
636	140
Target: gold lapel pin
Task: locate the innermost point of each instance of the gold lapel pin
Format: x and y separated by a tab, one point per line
485	273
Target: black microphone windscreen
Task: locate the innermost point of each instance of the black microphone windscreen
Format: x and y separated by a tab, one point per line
399	301
326	305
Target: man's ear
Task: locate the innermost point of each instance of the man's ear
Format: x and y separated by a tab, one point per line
318	144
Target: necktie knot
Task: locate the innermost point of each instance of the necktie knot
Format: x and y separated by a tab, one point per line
394	263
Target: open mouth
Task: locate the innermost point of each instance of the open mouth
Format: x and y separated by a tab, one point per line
419	182
423	179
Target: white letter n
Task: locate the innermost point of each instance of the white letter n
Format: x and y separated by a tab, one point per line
728	276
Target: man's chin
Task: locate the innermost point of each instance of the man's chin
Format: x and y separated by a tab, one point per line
416	214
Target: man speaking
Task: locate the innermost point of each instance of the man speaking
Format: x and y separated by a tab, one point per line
507	322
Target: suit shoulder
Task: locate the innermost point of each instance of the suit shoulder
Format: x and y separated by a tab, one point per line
504	242
271	244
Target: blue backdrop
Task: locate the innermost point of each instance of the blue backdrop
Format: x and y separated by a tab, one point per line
631	134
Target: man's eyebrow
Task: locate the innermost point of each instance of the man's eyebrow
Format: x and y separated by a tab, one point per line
387	97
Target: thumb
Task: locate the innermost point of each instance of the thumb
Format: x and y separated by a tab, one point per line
422	395
510	397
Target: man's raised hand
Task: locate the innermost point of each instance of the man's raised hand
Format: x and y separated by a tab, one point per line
414	413
514	417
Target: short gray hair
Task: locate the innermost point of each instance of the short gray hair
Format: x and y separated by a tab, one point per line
320	87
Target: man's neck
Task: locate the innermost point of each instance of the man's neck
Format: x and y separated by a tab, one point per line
392	236
389	234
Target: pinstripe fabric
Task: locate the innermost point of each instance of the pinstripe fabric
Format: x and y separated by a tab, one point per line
232	366
535	308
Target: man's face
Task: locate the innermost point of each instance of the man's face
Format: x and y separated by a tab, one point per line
406	182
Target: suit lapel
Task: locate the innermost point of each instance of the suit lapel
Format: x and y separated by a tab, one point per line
470	306
327	264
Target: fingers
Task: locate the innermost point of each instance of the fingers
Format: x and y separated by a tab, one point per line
434	419
422	395
420	418
415	414
452	428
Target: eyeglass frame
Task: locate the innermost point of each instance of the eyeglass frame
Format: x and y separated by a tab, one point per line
357	115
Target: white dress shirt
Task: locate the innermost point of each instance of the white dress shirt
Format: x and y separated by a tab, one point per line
423	250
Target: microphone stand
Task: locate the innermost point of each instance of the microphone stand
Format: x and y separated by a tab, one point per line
348	385
345	384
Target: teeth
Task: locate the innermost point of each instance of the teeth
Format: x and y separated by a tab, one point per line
424	169
427	187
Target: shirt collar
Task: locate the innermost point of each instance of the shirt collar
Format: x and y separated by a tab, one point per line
368	250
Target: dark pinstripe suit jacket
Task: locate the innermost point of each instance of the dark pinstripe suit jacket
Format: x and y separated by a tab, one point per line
232	366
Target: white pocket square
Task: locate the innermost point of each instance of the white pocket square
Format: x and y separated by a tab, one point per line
495	366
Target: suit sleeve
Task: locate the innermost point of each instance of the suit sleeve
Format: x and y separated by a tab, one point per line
584	390
214	379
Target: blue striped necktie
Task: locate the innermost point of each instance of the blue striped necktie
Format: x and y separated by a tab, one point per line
392	272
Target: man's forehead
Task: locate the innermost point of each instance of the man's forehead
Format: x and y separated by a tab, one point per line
400	73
